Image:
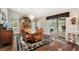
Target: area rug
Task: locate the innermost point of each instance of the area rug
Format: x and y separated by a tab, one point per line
30	47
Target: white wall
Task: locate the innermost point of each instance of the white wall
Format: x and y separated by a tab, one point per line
13	14
72	28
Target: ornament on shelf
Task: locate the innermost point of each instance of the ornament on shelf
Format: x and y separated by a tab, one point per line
73	21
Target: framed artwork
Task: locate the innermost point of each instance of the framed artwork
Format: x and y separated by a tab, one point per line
3	16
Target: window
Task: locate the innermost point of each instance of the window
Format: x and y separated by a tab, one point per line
15	25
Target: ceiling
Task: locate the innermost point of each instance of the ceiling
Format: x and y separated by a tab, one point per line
40	12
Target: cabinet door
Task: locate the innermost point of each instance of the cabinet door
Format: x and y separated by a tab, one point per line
8	36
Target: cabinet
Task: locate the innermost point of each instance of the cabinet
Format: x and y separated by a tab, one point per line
6	37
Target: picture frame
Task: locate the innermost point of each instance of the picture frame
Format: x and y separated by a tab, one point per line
3	16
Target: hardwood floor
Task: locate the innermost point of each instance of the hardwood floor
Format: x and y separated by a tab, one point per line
59	45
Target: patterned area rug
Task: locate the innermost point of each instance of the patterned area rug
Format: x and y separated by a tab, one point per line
30	47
